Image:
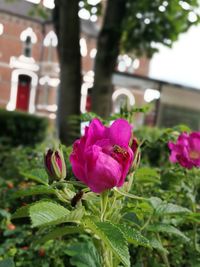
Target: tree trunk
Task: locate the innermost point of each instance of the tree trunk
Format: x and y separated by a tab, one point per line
108	46
66	22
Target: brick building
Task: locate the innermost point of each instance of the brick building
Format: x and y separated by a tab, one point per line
29	68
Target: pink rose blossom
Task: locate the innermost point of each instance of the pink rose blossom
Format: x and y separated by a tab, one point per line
102	157
186	151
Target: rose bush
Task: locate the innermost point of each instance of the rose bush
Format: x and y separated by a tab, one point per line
153	211
186	151
102	158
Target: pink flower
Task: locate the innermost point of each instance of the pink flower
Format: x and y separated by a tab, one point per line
186	151
102	157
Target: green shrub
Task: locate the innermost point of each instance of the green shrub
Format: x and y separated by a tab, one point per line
18	128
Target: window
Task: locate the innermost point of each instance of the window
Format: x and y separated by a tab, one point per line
27	47
28	37
50	41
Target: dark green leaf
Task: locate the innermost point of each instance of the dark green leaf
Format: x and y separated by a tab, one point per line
133	236
166	228
155	243
164	208
83	254
113	237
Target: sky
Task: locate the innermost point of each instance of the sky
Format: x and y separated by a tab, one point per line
181	64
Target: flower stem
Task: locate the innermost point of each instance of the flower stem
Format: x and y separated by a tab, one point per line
146	223
130	195
104	202
105	256
163	254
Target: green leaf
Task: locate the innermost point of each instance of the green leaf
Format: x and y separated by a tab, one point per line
155	243
45	213
34	190
164	208
75	215
155	202
166	228
49	213
7	263
113	237
147	175
133	236
24	211
58	232
21	212
193	217
37	175
83	254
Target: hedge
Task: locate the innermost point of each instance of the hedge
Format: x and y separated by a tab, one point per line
20	128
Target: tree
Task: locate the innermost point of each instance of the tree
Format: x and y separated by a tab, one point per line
67	27
134	26
129	26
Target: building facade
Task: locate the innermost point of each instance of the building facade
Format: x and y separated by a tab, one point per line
29	67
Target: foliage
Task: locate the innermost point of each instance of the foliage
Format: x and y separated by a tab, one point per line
155	222
18	128
158	22
16	239
162	220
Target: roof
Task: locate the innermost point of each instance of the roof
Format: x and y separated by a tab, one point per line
19	8
149	81
22	8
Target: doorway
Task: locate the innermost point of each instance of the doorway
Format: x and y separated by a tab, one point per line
23	92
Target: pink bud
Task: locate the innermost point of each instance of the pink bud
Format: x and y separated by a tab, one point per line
134	145
55	164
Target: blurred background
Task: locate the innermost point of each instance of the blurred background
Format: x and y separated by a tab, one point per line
66	61
157	60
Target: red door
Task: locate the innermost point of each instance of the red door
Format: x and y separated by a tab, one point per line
23	92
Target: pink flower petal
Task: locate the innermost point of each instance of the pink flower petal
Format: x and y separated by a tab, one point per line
120	133
102	170
94	132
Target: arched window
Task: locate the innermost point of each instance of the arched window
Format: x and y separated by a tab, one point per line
50	41
122	98
28	37
27	47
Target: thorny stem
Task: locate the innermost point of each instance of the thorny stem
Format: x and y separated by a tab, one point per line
163	254
104	202
194	210
146	223
106	254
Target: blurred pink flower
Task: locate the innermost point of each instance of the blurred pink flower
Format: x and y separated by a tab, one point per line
186	151
102	157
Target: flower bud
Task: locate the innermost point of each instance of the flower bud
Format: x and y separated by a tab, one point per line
55	164
134	145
